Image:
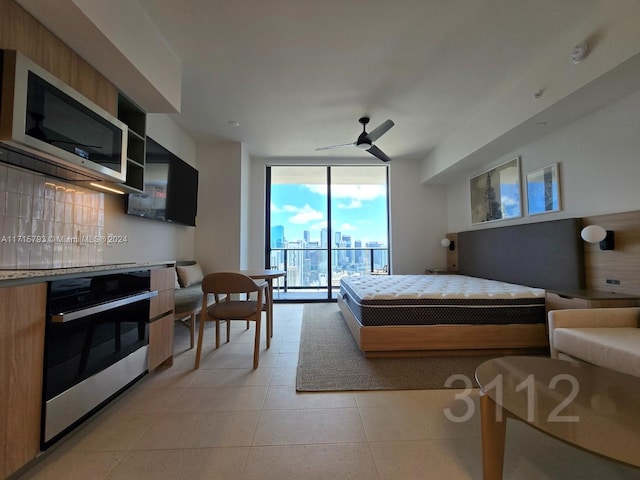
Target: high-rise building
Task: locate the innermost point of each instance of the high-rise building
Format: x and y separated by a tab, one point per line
277	236
358	253
346	239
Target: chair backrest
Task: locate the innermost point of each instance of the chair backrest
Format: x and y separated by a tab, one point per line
229	283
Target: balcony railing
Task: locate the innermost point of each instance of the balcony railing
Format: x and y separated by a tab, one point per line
312	268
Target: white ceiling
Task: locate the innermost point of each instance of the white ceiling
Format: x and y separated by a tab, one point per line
297	74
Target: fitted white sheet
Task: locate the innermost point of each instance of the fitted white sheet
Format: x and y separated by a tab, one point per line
397	287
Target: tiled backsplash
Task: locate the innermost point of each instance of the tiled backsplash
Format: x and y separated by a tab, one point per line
46	223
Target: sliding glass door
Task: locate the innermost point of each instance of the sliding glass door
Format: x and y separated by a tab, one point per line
324	223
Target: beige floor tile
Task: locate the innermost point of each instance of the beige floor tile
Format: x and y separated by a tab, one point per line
290	347
291	336
289	427
145	400
351	461
218	399
168	377
228	377
287	360
192	464
434	399
186	360
454	459
200	430
212	359
411	423
73	466
109	432
284	376
285	397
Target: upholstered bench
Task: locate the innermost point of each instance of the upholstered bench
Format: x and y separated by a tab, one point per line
188	295
607	337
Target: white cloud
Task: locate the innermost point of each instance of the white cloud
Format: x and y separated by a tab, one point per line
356	193
355	203
317	227
303	215
346	227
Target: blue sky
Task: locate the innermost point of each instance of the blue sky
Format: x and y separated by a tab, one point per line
358	210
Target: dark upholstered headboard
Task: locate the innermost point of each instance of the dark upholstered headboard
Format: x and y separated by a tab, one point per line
546	255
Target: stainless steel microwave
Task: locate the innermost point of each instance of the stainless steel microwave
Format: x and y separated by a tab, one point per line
42	115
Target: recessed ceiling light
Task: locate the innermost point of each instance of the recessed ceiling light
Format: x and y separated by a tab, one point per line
233	123
541	123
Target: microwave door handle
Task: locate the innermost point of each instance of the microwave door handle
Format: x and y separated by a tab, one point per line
103	307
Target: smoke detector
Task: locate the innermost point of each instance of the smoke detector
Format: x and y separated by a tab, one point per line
579	52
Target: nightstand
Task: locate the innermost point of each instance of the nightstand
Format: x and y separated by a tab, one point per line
439	271
565	299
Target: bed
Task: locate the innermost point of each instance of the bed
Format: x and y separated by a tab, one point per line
486	309
392	315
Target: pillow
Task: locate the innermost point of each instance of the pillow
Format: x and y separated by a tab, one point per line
189	274
177	283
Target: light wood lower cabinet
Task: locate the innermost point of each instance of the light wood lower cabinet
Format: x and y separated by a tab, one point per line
22	323
161	318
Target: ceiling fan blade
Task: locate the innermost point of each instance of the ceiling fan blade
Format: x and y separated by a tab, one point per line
352	144
380	130
376	152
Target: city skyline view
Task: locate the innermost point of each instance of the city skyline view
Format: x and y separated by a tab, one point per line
358	211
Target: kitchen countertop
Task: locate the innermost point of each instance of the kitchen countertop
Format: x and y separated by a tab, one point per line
26	276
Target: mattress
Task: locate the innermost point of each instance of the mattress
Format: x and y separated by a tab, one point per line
377	300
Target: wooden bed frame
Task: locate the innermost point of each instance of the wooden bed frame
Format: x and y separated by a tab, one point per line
542	255
433	340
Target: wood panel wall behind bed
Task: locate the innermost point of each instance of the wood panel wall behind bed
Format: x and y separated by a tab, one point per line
622	263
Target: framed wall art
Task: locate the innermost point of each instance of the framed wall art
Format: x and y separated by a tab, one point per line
495	194
543	190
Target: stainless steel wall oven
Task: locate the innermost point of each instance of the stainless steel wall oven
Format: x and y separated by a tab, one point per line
96	342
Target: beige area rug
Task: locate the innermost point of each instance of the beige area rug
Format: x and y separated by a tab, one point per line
330	360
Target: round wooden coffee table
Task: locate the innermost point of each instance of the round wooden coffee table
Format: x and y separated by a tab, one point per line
593	408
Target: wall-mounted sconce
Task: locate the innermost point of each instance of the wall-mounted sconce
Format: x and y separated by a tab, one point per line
597	234
445	242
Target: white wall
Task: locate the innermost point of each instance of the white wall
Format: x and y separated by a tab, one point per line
218	234
151	240
599	158
418	220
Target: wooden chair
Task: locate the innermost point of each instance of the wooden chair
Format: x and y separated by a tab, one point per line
231	292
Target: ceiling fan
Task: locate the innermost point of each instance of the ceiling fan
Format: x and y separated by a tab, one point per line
365	140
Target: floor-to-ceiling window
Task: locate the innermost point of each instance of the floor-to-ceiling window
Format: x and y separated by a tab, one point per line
325	222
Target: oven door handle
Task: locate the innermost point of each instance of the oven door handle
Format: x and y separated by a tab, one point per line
103	307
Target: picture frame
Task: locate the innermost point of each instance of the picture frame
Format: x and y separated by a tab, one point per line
496	193
543	190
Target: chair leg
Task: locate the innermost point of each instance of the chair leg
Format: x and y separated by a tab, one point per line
200	335
256	347
217	333
247	324
268	330
228	329
192	328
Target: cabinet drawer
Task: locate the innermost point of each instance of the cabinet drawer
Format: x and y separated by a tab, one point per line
558	302
163	279
161	304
